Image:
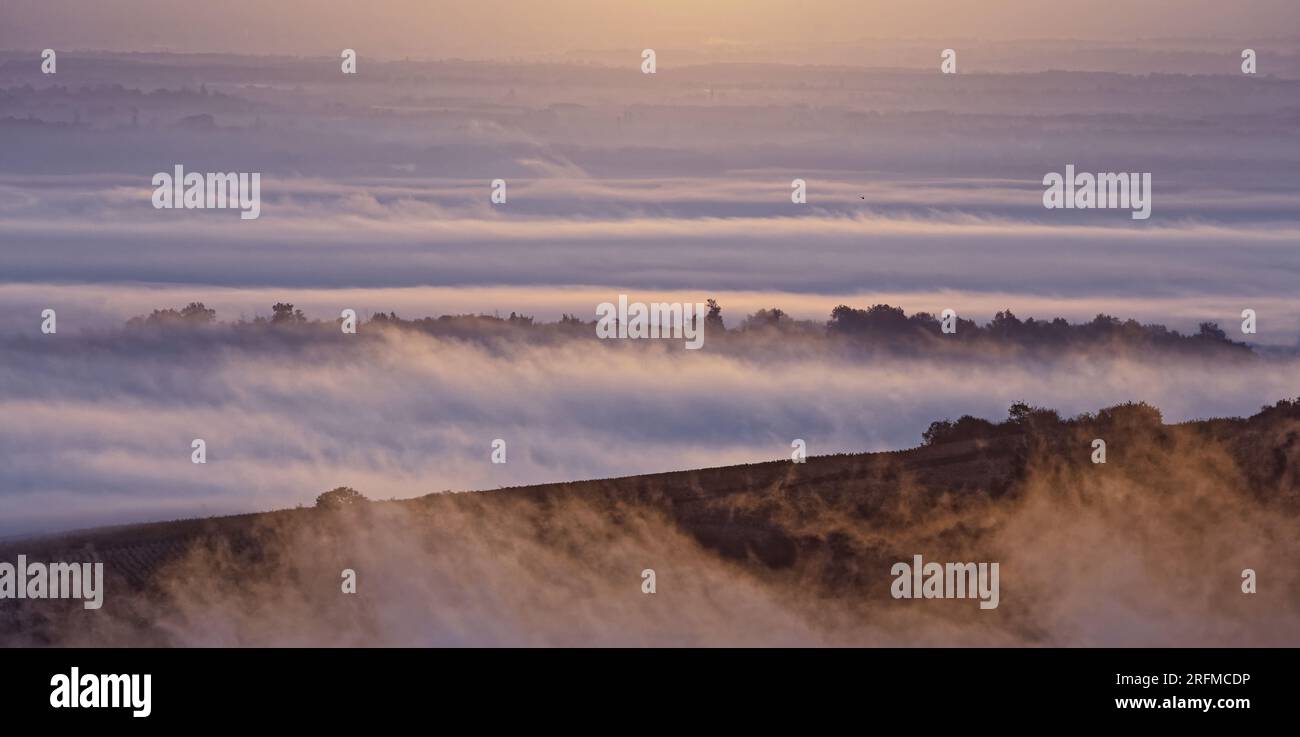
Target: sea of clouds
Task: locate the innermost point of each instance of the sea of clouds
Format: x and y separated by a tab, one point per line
375	197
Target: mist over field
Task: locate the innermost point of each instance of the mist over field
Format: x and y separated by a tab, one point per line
99	424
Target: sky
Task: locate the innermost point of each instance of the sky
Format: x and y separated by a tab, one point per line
524	28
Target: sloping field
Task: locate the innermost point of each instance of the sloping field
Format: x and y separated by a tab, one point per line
1149	547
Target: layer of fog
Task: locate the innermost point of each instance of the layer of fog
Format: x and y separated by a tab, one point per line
98	427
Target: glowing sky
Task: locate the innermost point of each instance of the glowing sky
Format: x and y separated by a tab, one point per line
505	28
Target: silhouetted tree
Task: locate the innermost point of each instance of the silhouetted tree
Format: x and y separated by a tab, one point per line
340	498
1133	414
938	430
966	427
713	320
764	318
1005	324
883	320
1212	331
196	312
284	313
1019	412
1023	416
